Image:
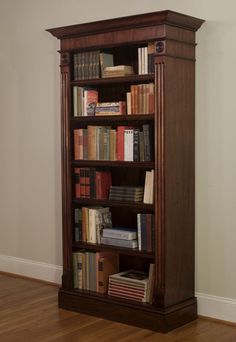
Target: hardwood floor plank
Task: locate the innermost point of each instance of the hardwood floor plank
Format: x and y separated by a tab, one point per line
29	313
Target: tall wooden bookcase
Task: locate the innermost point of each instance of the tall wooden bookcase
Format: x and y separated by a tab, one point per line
173	123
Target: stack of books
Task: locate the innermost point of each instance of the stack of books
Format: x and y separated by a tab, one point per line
111	108
133	285
118	71
126	193
120	237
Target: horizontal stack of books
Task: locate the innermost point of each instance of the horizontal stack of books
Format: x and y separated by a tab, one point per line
91	183
118	71
92	270
120	237
125	143
126	193
111	108
132	285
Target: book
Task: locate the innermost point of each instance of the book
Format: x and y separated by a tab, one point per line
149	187
118	71
120	233
106	60
119	242
107	263
111	108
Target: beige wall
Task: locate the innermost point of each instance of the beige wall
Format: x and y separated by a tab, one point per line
30	201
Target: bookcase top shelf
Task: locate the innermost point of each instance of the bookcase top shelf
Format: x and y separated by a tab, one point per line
135	21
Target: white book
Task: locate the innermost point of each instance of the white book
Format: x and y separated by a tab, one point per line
128	145
75	101
139	61
143	61
120	233
139	231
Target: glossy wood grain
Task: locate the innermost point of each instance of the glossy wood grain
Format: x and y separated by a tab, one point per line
29	312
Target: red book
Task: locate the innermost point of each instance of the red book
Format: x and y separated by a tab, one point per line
103	183
120	141
90	101
77	182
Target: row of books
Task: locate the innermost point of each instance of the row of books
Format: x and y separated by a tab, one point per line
92	270
90	64
99	272
91	183
146	59
85	103
125	143
133	285
96	64
94	225
89	223
139	100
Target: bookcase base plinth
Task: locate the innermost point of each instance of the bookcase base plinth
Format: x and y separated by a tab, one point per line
140	315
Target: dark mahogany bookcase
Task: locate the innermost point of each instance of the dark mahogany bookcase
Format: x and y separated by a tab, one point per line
174	124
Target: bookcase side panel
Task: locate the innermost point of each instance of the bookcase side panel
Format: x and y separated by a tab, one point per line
66	170
178	180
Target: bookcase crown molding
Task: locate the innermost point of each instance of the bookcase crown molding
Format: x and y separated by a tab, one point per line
136	21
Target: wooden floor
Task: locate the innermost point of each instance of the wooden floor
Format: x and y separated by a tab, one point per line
29	313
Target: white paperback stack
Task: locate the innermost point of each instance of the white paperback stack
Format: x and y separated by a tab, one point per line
120	237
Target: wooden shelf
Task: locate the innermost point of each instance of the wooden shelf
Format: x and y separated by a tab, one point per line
105	119
110	163
108	203
112	80
120	250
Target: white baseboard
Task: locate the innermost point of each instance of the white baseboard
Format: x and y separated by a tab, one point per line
31	269
216	307
208	305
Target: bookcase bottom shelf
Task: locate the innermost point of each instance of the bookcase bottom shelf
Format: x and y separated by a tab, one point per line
143	316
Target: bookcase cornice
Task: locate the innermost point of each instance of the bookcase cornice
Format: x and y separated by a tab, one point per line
136	21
